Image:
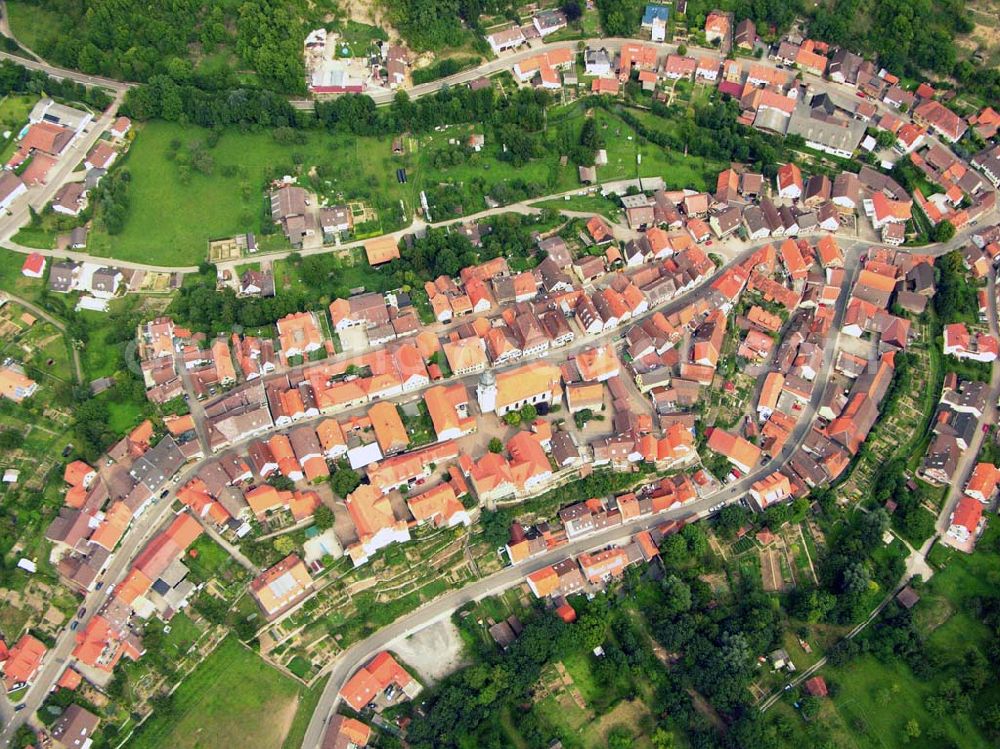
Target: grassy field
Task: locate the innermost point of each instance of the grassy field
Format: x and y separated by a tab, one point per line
28	21
876	697
11	279
221	704
173	215
175	209
595	203
100	359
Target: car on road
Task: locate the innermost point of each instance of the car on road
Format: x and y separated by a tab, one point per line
99	586
20	707
74	625
82	611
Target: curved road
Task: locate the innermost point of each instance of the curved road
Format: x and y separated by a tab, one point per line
360	652
446	604
348	661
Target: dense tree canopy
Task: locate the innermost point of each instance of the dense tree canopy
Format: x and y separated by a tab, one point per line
137	40
907	36
17	79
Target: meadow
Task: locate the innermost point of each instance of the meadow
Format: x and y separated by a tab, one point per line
222	704
176	208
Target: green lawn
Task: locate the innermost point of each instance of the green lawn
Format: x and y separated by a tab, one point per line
11	279
595	203
123	417
172	216
182	635
864	684
211	562
14	109
29	22
233	698
175	209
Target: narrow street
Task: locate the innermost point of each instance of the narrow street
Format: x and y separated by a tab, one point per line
967	461
342	668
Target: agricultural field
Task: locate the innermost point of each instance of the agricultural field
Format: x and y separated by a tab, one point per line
221	702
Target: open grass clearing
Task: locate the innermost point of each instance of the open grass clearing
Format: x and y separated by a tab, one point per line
228	198
221	704
868	686
30	22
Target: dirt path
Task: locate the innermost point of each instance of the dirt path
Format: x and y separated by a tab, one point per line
701	705
60	326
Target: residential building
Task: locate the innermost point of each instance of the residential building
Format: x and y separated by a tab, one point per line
282	586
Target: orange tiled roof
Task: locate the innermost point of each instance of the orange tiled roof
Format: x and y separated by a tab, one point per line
76	472
381	250
380	672
389	429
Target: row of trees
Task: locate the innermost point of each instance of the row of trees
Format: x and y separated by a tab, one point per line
17	79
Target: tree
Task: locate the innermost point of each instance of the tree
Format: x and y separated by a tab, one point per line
697	541
572	9
620	738
284	545
911	731
944	231
344	481
730	520
810	706
323	518
528	412
281	483
10	439
513	418
496	446
590	137
662	739
676	595
989	721
673	550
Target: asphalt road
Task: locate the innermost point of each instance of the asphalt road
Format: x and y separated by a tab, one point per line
348	661
54	71
56	659
967	461
38	196
154	516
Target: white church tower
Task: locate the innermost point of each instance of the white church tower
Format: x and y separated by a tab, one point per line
486	392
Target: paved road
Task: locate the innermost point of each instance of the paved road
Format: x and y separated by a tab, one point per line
968	458
154	517
38	196
57	657
54	71
350	659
